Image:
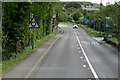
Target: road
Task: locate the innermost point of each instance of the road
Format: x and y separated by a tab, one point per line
76	55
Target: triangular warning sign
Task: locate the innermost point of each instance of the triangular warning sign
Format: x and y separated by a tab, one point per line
33	23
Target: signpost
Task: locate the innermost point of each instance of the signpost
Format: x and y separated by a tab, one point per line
33	24
93	21
31	16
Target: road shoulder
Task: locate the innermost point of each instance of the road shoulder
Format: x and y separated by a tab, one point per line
22	69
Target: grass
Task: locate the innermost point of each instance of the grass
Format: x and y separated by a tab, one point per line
91	31
8	64
69	22
0	68
91	9
95	33
114	39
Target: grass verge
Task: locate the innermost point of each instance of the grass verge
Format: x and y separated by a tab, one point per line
95	33
114	39
91	31
8	64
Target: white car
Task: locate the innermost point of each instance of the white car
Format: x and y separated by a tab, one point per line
75	26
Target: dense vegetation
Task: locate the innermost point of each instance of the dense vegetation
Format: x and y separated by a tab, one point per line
16	33
110	20
72	11
15	28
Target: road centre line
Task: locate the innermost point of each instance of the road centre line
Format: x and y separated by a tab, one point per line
88	61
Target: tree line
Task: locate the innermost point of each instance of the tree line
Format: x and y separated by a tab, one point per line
110	19
15	24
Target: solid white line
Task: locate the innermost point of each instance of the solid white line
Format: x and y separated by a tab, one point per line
88	61
29	73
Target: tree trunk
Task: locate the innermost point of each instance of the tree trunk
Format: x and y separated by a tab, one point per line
16	47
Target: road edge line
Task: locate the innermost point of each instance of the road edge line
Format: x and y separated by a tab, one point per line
28	74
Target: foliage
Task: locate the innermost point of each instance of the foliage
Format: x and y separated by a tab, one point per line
77	15
110	16
7	64
91	31
73	4
15	19
15	35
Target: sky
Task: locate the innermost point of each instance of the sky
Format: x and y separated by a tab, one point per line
96	1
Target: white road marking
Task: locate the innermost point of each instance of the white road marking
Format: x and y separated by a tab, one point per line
88	61
79	51
81	57
90	43
29	73
84	65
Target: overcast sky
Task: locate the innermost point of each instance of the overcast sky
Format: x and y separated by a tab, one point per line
95	1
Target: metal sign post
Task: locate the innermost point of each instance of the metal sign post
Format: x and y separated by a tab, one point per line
31	16
33	24
33	40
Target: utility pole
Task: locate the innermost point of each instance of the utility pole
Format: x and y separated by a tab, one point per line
100	15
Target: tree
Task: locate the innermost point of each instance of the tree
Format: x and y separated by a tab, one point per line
15	19
76	15
73	4
15	35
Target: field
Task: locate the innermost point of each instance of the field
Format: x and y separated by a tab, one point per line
91	9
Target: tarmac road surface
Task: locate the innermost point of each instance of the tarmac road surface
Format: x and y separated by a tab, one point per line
74	55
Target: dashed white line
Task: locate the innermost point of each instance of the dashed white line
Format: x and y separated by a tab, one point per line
79	51
84	65
90	65
88	61
81	57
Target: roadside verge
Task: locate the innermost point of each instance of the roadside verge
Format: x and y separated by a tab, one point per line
95	34
21	68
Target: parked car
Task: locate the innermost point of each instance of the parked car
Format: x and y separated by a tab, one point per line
75	26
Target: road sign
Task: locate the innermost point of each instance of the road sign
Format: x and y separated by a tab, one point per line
33	23
86	19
